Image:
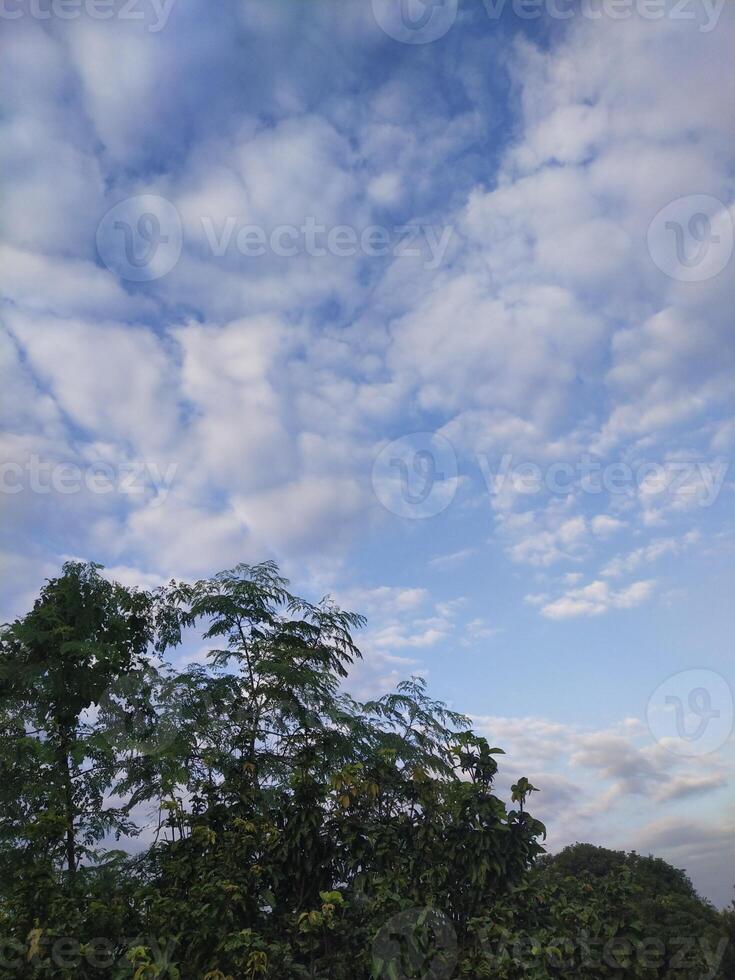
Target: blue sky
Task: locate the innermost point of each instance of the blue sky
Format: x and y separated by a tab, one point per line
440	318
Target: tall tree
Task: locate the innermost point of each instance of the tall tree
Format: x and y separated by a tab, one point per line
278	661
82	639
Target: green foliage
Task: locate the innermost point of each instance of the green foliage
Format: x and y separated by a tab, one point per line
589	912
83	636
299	833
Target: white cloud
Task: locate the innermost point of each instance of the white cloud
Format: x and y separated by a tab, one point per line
453	558
613	786
546	332
546	536
71	287
109	378
597	598
543	537
692	784
658	548
476	630
704	847
605	525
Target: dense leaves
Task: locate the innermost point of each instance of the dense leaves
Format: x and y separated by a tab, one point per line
287	830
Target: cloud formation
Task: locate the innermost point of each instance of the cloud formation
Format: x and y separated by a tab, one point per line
513	290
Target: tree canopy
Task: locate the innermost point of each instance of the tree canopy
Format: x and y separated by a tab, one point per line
273	825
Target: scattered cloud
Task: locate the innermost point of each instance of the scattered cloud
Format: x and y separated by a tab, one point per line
452	559
594	599
658	548
545	331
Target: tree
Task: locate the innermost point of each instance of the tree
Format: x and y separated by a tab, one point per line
590	912
83	636
301	833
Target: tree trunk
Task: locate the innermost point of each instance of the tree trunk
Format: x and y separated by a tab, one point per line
68	791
